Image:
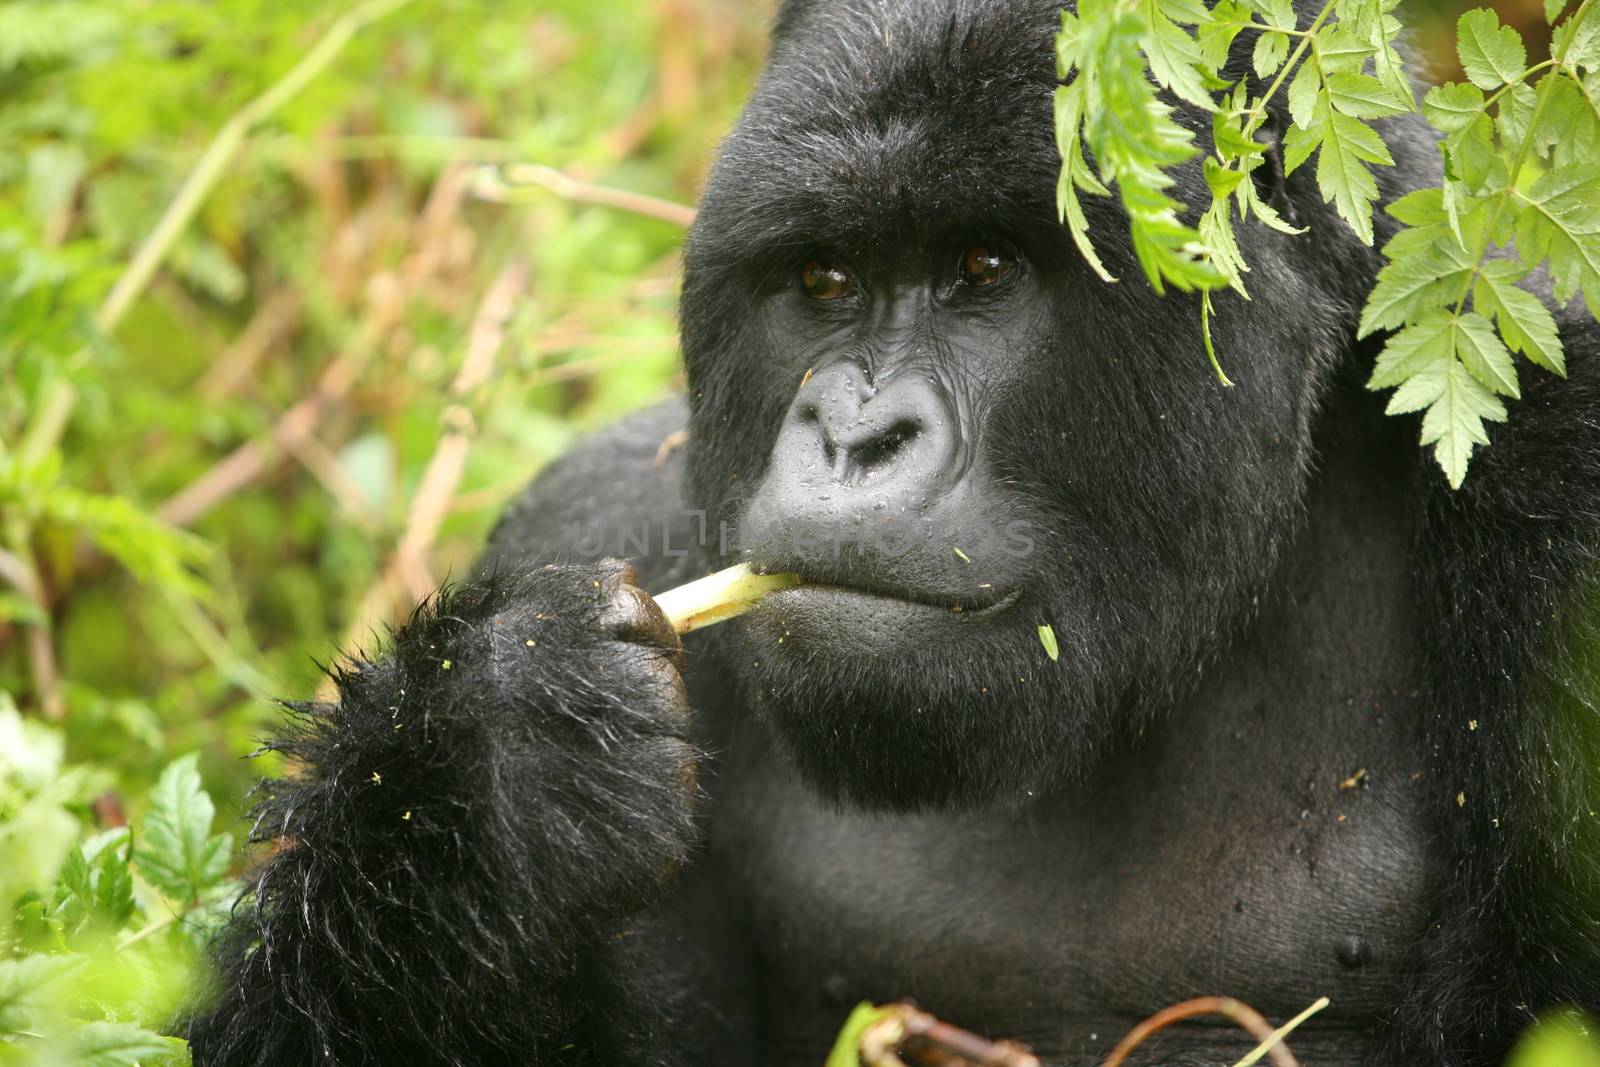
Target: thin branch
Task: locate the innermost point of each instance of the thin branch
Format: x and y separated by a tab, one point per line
17	574
388	298
408	568
21	570
1274	1039
325	467
507	184
272	322
905	1026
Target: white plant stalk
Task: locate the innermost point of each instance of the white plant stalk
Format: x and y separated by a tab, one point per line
720	596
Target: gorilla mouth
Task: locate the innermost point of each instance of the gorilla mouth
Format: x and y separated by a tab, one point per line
983	600
975	607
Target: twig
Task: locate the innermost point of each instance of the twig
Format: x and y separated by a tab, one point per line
149	930
1276	1037
325	467
590	365
408	567
501	184
20	571
271	323
389	296
905	1025
1247	1017
246	462
17	574
444	470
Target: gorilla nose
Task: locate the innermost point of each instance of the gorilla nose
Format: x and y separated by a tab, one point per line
896	442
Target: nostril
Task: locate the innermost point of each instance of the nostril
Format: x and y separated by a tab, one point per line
882	448
810	414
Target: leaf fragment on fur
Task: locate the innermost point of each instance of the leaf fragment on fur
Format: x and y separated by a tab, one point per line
1047	637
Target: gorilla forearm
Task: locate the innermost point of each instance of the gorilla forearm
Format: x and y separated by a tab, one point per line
458	827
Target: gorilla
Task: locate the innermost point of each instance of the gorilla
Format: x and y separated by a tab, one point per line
1318	725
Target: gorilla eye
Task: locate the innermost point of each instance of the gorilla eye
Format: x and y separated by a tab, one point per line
826	279
983	265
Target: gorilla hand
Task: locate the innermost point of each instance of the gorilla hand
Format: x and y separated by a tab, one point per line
479	807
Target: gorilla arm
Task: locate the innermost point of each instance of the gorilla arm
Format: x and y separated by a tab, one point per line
474	815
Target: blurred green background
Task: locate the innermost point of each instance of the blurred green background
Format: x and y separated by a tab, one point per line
374	327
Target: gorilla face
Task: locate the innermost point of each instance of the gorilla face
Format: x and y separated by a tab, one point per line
908	387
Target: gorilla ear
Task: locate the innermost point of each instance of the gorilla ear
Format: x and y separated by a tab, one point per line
1272	184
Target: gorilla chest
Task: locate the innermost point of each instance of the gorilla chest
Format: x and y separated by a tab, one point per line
1247	849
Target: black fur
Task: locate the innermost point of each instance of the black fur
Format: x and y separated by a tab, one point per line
1258	592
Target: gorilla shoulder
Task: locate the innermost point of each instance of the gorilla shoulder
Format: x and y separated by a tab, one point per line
618	492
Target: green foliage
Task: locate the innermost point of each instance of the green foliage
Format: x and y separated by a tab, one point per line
1567	1039
1521	190
131	630
101	936
180	855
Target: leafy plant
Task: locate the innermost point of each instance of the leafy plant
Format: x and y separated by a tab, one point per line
1521	189
99	959
221	221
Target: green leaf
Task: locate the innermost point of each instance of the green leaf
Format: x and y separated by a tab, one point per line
26	983
1348	144
1560	219
1269	53
1453	105
1469	153
1523	320
179	855
1411	351
107	1044
1230	140
1409	286
1515	117
1362	96
96	887
1569	128
1175	59
1387	63
1069	44
1303	89
1135	140
37	32
1216	34
1425	386
1491	54
1221	179
1075	173
1577	44
1483	354
1419	207
1299	142
1453	424
1047	637
1280	13
1562	1038
1553	9
847	1046
1216	227
1341	49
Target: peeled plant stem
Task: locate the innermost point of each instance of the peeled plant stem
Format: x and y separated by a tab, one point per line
720	596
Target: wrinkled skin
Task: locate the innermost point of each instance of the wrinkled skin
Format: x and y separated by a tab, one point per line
1318	725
